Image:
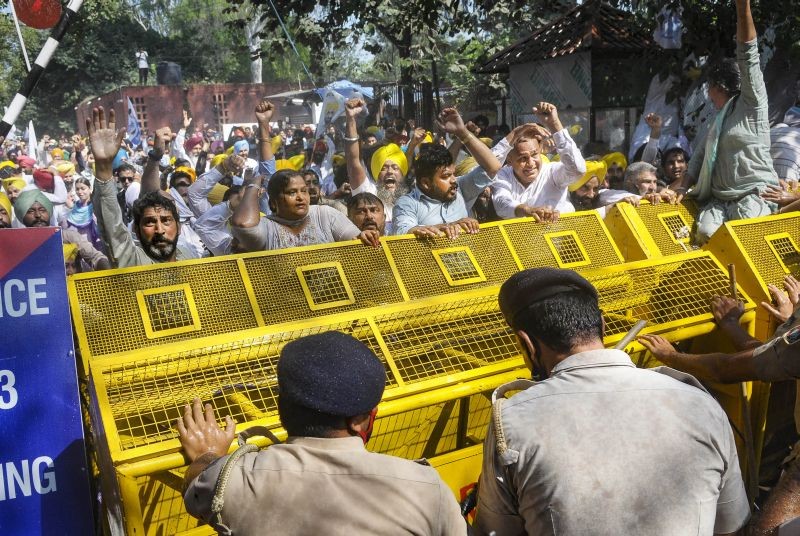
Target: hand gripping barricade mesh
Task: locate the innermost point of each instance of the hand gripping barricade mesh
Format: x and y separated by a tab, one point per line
153	337
650	231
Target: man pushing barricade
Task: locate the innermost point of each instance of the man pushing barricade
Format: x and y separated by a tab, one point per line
322	480
598	446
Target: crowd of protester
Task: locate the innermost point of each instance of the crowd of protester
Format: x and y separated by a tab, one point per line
192	194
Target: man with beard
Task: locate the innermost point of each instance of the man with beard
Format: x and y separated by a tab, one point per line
583	193
388	165
33	209
365	210
155	217
441	202
529	188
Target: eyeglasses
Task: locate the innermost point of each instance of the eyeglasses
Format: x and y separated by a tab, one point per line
125	179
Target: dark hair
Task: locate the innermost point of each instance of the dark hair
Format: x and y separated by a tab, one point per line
340	176
177	175
124	167
367	135
84	181
304	422
481	120
562	321
8	172
233	190
152	200
179	162
278	182
432	156
365	198
725	74
666	154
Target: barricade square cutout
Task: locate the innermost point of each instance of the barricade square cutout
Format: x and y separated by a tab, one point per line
325	285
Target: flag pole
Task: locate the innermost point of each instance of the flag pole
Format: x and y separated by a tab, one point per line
39	65
19	34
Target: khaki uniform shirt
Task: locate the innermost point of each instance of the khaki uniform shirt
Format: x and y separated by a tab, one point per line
779	358
328	486
602	447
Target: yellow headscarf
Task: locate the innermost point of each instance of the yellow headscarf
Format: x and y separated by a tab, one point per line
187	171
70	252
276	143
338	159
5	202
297	162
593	169
17	182
465	166
57	153
487	142
391	152
65	169
7	163
218	159
615	158
282	163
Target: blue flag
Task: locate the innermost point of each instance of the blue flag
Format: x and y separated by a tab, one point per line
134	133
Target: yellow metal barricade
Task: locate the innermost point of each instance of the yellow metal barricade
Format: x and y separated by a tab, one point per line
650	231
154	337
764	251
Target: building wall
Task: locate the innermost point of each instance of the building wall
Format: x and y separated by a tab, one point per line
214	104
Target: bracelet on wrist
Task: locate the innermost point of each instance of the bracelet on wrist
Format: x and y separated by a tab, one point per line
155	154
346	138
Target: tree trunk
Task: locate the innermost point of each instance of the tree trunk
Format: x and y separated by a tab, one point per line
252	29
406	77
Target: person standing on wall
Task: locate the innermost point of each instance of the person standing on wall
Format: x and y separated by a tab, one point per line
142	60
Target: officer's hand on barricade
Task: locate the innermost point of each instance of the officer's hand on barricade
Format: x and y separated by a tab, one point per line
200	434
370	237
726	309
660	347
781	307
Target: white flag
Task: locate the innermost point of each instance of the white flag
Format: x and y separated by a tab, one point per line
32	143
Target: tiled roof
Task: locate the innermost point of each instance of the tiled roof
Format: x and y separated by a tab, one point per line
592	24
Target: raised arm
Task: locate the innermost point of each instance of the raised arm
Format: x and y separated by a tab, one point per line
264	111
572	165
355	169
247	214
151	176
650	153
745	28
450	121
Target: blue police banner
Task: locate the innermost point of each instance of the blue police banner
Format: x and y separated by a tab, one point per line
44	483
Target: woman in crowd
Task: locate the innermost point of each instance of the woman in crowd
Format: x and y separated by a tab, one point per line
81	216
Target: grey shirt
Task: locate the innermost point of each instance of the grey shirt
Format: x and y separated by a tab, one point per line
602	447
119	241
324	225
327	486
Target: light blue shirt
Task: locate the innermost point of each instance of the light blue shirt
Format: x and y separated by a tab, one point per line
416	208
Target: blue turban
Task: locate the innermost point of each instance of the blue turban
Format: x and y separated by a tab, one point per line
241	145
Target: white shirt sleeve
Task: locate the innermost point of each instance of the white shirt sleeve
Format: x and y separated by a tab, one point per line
503	199
572	165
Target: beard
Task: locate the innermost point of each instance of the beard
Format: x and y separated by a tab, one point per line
160	249
5	224
390	197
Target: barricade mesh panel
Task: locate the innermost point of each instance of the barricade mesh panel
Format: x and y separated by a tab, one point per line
422	275
764	259
663	232
111	316
279	293
659	293
528	239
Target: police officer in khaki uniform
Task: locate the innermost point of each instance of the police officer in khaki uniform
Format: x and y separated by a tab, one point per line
598	446
776	360
322	480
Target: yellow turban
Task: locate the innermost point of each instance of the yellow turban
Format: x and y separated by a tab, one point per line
218	159
186	171
338	159
615	158
487	142
65	169
372	130
545	159
70	252
428	138
465	166
593	169
7	163
57	153
276	143
216	194
391	152
282	163
17	182
297	162
5	202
